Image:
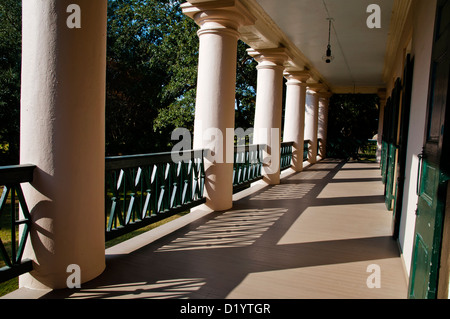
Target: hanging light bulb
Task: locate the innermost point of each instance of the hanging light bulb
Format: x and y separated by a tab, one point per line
328	57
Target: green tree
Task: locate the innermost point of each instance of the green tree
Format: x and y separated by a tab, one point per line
152	76
152	59
151	47
180	47
180	113
353	120
10	64
246	80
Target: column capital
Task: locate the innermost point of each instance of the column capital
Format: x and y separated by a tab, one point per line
216	16
315	87
325	95
269	58
382	94
297	77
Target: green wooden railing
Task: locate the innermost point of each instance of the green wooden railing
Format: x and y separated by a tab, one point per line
247	167
306	149
319	144
11	245
142	189
286	155
139	190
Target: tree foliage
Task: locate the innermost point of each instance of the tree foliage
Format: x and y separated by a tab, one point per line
152	59
152	75
245	88
151	78
353	120
10	62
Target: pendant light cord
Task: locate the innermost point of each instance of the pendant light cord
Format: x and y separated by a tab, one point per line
339	44
329	32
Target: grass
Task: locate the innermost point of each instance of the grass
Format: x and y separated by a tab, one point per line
367	153
139	231
9	286
5	235
4	148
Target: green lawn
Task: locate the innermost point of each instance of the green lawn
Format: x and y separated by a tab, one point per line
9	286
120	239
5	235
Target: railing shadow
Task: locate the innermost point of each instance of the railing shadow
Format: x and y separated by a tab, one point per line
212	256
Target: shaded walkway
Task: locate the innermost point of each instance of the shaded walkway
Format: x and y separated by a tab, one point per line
312	236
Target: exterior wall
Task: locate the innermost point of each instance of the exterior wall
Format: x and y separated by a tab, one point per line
401	30
423	15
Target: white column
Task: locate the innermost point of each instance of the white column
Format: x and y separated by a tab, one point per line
268	111
63	134
294	119
324	101
382	96
214	109
311	121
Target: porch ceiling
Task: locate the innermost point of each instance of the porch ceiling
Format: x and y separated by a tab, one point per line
302	27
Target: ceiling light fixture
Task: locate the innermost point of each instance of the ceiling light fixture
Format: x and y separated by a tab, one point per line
328	57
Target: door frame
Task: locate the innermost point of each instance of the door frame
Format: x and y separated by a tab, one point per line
402	141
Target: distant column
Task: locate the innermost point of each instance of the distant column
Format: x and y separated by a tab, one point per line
294	119
311	121
268	112
382	96
214	109
324	102
63	134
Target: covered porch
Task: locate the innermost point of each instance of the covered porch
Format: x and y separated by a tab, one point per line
318	234
329	229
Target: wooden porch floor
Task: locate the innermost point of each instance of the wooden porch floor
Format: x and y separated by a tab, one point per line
311	237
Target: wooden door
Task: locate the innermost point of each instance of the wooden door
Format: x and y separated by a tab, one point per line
435	167
392	143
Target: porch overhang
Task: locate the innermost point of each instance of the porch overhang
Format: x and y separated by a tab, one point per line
363	56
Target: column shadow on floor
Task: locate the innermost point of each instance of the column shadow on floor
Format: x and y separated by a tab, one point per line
210	257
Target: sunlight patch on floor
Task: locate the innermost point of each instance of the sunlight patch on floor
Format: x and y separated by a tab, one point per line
325	223
370	173
335	281
352	189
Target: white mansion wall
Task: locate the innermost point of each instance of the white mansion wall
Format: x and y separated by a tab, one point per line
423	14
